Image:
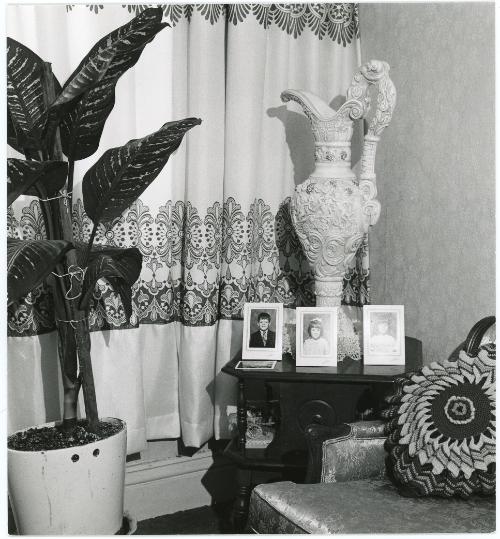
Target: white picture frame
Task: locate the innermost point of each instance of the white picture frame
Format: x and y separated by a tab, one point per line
383	335
316	336
253	340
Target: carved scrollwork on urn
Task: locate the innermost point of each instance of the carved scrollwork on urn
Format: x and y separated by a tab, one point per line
370	204
330	219
332	210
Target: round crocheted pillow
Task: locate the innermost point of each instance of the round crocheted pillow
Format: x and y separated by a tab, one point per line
441	428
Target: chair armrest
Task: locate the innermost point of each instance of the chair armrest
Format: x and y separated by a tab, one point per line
315	436
345	452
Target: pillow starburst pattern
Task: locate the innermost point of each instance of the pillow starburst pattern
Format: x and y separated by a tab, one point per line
441	429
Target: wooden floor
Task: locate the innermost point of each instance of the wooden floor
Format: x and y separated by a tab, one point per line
202	520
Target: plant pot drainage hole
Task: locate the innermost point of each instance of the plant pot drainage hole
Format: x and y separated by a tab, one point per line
75	458
95	452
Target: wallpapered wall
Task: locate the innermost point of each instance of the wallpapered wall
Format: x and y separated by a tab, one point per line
433	249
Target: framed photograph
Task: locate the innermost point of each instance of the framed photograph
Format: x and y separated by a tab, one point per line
316	337
262	331
267	364
383	335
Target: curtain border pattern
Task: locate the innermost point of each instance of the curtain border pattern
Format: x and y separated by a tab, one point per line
338	21
197	268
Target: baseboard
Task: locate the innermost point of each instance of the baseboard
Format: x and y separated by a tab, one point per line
161	487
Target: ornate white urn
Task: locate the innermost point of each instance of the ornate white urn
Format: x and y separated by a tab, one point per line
332	210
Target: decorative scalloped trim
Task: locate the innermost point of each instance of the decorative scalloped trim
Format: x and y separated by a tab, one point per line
197	268
337	21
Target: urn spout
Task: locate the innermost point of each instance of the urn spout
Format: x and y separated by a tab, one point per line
328	126
314	107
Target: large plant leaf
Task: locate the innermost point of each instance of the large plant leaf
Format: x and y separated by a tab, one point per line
23	175
82	126
12	138
29	262
122	174
90	73
25	96
120	267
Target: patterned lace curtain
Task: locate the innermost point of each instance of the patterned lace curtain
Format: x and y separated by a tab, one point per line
214	229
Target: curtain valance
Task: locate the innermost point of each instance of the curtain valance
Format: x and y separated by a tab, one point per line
338	21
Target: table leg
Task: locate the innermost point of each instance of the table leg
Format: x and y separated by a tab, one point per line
244	476
242	415
240	508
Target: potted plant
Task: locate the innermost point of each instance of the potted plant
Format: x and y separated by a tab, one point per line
67	478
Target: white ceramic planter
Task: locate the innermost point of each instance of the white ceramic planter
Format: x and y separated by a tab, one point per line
56	493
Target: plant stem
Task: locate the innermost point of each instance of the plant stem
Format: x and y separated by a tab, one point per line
89	245
74	345
71	172
66	345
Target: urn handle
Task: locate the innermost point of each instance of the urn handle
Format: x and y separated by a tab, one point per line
372	73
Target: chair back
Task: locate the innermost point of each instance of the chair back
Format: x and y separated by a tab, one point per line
483	331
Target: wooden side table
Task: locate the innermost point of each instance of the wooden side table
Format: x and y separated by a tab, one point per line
323	395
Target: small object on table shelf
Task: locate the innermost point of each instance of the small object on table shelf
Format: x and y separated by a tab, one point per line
262	420
261	429
259	437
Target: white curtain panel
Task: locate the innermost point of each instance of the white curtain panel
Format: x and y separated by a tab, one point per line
213	229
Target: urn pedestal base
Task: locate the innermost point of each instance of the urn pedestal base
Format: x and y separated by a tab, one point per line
329	294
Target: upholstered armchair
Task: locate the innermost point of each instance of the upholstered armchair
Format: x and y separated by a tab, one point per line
349	489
